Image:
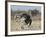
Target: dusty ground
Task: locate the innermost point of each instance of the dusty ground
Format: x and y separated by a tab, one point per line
36	25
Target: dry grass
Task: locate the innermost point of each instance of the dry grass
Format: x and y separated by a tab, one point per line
36	24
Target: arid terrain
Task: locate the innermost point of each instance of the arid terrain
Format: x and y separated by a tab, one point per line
36	24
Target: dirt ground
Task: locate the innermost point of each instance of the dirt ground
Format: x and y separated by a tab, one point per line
36	25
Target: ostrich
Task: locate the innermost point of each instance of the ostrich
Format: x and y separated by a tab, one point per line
26	20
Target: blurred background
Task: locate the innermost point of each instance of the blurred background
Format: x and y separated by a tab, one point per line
34	11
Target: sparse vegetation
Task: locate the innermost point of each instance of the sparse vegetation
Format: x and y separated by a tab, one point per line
36	20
